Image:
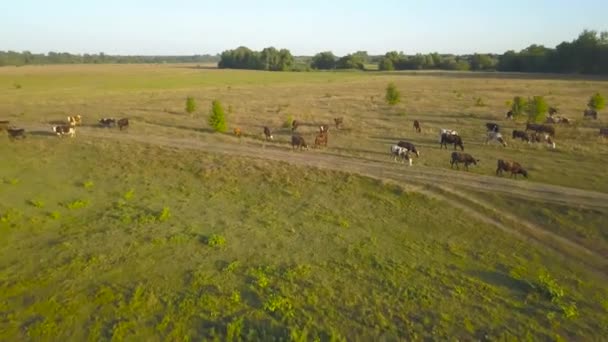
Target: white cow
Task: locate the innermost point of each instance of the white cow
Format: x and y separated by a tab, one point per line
401	152
495	136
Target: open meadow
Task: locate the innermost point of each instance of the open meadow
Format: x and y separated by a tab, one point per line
168	231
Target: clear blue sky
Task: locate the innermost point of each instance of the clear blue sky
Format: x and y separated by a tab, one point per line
305	27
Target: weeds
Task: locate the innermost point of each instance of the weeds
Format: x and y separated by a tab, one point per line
36	203
479	102
55	215
278	304
288	121
164	215
88	185
215	240
77	204
129	195
231	267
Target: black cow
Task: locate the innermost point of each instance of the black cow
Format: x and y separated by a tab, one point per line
298	142
267	133
451	139
107	122
467	159
590	113
539	128
16	133
409	146
492	127
521	135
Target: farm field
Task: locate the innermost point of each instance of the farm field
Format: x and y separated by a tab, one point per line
168	231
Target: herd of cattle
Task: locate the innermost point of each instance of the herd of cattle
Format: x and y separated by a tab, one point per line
403	150
66	129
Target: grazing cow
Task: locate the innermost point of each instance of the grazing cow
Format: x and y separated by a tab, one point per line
16	133
298	142
338	122
495	136
451	139
4	125
410	147
294	125
402	153
539	128
323	129
604	132
510	166
62	130
542	137
267	133
321	139
557	120
107	122
552	111
417	126
123	123
467	159
492	127
237	132
590	113
521	135
75	120
509	115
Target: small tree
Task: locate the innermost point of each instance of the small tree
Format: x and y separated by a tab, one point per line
536	109
518	106
190	105
392	94
386	64
597	102
217	119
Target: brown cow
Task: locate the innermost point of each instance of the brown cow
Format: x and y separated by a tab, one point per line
323	129
510	166
417	126
338	122
294	125
75	120
267	133
321	139
604	132
123	123
237	132
459	157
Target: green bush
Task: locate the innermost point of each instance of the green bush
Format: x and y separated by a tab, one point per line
392	94
288	121
518	106
597	102
536	109
190	105
164	215
215	240
217	118
479	102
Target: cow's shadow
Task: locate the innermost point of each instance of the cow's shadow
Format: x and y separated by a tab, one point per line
41	133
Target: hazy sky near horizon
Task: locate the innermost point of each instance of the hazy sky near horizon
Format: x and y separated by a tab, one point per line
186	27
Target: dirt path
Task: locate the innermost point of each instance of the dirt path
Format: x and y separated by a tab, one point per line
436	183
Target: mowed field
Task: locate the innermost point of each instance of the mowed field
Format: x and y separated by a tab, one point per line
168	231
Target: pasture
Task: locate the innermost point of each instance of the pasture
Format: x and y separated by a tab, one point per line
168	231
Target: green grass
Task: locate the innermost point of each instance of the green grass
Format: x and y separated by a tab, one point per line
311	266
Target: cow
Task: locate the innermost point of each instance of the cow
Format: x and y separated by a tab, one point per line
267	133
298	142
410	147
417	126
323	129
107	122
590	113
237	132
492	127
542	137
541	128
446	131
402	153
294	125
16	133
552	111
75	120
451	139
321	139
467	159
4	125
338	122
62	130
509	115
510	166
495	136
521	135
123	123
604	132
557	120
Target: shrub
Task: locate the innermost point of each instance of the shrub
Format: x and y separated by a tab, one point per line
17	85
288	121
215	240
518	106
597	102
549	287
217	119
479	102
392	94
88	184
164	215
386	64
77	204
190	105
536	109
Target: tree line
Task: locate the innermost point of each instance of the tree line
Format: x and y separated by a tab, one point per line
26	58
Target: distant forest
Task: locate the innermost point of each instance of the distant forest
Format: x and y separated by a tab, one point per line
587	54
27	58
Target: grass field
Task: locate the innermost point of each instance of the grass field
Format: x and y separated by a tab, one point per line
167	231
